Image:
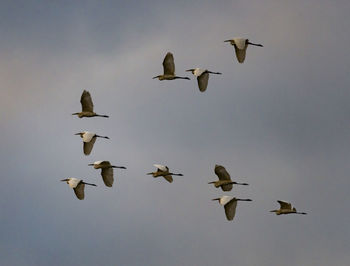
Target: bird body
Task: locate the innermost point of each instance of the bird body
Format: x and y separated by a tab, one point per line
202	77
164	172
106	171
241	45
230	204
78	186
224	181
286	208
87	106
169	69
89	139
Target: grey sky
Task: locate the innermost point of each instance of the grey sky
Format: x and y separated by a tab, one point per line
280	121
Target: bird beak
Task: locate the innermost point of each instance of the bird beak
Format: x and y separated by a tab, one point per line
75	114
155	77
211	182
77	134
216	199
64	180
90	164
188	70
227	41
273	211
149	173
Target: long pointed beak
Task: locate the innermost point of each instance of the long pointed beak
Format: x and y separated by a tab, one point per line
227	41
77	134
216	199
211	182
155	77
90	164
64	180
149	174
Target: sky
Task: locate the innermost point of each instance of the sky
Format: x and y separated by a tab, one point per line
279	122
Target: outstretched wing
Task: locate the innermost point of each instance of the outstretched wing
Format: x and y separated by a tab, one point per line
222	174
79	190
285	205
240	54
169	178
168	64
88	146
107	176
203	81
230	209
86	102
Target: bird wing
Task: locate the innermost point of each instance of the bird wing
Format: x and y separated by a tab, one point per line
221	172
285	205
105	163
168	64
230	209
203	81
169	178
79	190
88	136
88	146
86	102
161	167
107	176
240	54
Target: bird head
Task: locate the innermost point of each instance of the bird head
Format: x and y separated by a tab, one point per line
65	180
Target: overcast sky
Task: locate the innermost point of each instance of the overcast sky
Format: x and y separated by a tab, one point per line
280	122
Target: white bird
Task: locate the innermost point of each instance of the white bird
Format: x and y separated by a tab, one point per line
169	69
106	171
286	208
89	139
224	181
202	77
87	106
164	172
78	186
241	45
230	204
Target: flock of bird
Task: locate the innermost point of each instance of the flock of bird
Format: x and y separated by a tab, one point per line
225	182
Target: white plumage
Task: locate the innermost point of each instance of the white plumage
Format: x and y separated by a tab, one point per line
161	167
87	136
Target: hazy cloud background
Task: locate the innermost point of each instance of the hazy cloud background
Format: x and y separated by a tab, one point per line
280	121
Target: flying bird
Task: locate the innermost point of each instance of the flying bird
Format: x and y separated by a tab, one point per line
89	139
224	181
164	172
169	69
202	77
87	106
106	171
230	204
241	45
78	186
286	208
